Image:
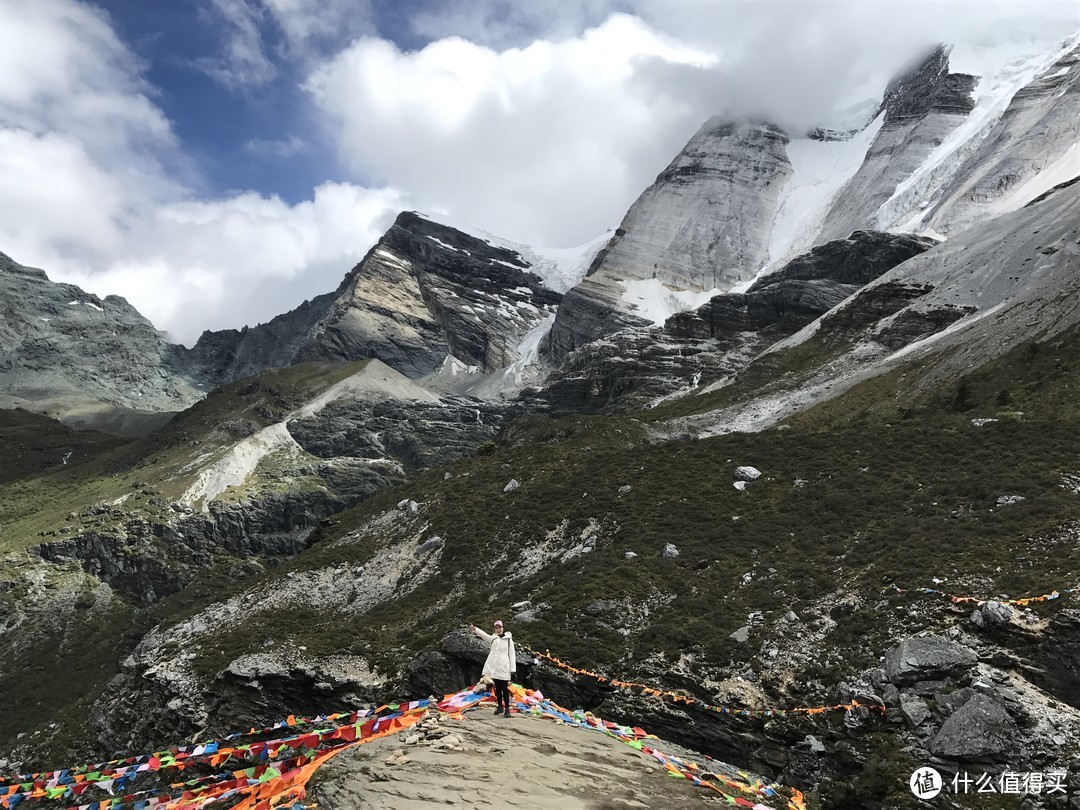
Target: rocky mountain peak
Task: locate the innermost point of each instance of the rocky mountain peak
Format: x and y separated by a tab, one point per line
702	226
426	291
927	85
69	354
921	107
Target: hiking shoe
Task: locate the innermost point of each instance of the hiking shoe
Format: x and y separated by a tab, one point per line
499	710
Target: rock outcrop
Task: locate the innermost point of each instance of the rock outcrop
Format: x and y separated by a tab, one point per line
926	659
227	355
979	729
696	348
426	291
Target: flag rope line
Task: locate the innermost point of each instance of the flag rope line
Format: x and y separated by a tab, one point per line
69	783
701	704
1027	600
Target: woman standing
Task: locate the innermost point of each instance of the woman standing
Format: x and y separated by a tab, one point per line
501	663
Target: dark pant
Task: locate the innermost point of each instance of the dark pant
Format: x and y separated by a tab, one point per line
502	694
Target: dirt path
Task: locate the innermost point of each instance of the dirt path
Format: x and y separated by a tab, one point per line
516	762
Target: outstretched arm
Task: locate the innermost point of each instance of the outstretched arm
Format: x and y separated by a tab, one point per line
480	634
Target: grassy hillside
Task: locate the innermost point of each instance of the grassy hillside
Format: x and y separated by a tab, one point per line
878	501
883	485
39	493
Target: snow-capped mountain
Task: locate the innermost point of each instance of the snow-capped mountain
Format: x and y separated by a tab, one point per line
945	148
962	134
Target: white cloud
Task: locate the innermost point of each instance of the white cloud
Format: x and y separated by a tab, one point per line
507	23
100	206
280	148
197	265
242	62
311	23
550	142
547	143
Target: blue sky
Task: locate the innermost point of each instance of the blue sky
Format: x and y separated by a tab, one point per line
242	137
218	161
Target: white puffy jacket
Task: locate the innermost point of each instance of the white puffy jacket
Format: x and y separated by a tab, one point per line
502	657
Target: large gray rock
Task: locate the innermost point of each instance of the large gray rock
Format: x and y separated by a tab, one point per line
914	709
924	659
997	613
980	729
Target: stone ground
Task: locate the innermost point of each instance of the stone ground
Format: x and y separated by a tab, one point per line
493	762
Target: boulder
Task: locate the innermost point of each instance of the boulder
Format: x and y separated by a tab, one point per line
980	729
511	485
747	473
791	617
926	658
997	613
670	551
741	635
914	709
624	489
1009	500
630	555
601	606
740	485
950	702
429	546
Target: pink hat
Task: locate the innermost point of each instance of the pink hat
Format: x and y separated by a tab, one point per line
498	623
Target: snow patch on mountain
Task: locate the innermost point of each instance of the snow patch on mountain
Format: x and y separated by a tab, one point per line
559	268
653	300
240	461
524	371
1065	168
819	170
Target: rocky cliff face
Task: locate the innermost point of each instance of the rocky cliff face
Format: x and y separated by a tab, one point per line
231	354
423	294
703	225
697	348
426	291
83	359
920	109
